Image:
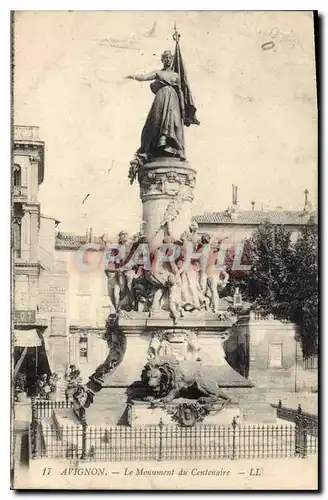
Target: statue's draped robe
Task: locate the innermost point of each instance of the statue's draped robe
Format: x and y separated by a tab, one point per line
163	131
188	102
191	294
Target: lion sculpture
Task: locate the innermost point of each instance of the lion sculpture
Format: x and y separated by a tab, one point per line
169	379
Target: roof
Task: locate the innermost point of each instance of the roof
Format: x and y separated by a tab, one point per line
50	218
71	241
256	217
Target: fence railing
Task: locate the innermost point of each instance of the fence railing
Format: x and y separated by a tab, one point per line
171	442
310	363
23	132
259	315
302	420
42	408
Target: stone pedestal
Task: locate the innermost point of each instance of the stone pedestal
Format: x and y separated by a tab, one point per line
166	191
108	408
143	414
194	338
197	339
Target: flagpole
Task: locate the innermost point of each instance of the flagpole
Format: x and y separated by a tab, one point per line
178	66
176	36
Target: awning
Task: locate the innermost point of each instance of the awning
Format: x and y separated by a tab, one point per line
26	338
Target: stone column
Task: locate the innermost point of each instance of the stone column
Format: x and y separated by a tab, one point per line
166	191
34	185
34	222
25	237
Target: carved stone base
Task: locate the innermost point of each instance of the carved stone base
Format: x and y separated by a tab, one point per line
201	337
142	413
166	190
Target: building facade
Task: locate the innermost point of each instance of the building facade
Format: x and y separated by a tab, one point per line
88	305
235	225
33	237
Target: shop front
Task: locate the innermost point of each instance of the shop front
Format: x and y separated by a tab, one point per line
30	360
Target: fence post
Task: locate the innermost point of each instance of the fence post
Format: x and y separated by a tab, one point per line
84	438
160	451
300	433
304	430
234	425
34	428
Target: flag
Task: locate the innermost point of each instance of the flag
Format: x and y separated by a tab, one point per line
189	106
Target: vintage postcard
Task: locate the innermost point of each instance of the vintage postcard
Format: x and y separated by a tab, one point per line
164	250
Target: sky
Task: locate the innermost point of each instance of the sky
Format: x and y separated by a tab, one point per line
252	76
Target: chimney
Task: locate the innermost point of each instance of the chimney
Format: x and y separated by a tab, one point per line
234	195
234	206
89	235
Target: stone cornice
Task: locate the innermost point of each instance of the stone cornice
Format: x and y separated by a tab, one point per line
166	178
38	323
87	329
31	207
30	268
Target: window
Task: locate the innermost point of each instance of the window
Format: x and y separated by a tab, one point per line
83	348
58	325
17	237
275	355
17	175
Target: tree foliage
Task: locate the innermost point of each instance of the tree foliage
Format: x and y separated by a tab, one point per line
284	278
303	290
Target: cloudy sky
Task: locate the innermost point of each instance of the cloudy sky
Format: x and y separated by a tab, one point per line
253	80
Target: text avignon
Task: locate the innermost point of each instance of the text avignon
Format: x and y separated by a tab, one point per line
83	471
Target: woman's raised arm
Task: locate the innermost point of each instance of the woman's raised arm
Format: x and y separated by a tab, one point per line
143	78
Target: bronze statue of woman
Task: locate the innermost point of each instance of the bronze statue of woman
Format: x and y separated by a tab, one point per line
163	133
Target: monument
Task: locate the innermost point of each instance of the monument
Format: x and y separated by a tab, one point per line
167	327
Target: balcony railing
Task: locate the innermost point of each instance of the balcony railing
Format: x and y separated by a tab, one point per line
20	191
26	132
262	316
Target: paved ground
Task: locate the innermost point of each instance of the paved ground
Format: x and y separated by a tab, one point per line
307	400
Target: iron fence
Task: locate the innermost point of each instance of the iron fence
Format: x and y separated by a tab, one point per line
43	408
170	442
306	426
297	438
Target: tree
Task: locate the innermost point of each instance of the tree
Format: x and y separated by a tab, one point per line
237	277
284	280
270	254
303	291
